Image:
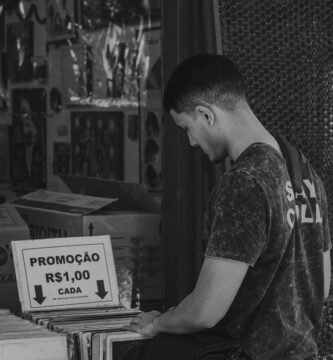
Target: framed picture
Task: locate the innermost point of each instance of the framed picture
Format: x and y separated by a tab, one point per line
61	19
28	138
20	51
97	139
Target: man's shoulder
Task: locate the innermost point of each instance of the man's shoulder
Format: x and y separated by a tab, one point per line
240	184
260	157
260	163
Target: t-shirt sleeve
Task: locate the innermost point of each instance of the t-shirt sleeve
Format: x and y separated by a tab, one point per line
239	220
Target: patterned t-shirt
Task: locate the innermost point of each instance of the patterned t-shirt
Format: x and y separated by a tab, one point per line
255	217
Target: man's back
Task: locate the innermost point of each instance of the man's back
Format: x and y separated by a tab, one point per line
278	307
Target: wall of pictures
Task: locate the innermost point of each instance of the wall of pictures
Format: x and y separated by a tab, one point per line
80	93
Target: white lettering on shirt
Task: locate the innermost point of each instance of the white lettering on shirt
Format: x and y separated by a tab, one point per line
303	212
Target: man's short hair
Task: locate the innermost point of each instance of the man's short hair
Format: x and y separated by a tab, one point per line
211	78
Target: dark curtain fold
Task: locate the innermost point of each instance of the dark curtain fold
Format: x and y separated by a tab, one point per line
188	29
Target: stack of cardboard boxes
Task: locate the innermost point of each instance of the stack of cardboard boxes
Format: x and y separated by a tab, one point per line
135	238
12	227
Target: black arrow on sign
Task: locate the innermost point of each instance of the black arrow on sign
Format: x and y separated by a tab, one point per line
39	294
91	229
101	289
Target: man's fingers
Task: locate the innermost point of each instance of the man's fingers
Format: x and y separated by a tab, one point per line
132	327
134	321
128	327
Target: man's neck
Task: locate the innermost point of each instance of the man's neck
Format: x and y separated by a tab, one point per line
248	131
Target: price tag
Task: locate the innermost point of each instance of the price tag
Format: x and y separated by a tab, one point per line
65	273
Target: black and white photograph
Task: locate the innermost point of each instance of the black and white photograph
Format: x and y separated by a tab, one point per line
166	180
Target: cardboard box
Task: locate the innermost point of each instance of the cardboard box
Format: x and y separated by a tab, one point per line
12	227
135	236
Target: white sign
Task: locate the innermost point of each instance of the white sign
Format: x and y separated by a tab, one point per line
65	273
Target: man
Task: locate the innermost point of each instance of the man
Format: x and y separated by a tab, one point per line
266	269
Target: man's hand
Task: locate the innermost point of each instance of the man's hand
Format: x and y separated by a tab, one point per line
144	323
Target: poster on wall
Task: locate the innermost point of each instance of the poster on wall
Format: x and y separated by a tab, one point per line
61	19
20	51
76	74
97	139
116	31
28	138
115	62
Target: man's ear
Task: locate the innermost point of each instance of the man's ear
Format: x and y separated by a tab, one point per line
206	114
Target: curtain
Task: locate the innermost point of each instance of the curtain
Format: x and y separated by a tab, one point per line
189	28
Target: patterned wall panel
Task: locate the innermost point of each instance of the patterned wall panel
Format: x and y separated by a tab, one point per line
285	50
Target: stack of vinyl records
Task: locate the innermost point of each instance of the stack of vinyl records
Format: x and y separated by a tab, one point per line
94	324
94	334
22	340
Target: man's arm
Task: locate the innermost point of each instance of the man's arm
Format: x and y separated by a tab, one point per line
327	273
216	288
